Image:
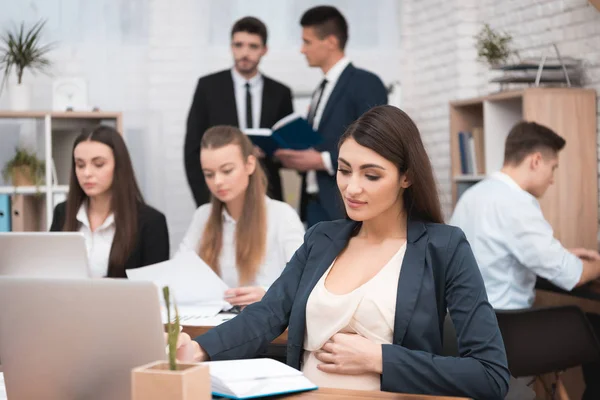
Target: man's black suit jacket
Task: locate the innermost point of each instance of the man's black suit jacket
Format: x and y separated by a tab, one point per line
214	104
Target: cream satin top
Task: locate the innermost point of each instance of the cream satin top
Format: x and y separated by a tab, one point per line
368	310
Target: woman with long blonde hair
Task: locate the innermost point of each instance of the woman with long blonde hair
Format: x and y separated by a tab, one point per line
243	235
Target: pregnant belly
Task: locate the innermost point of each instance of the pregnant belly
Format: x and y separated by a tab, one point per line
367	381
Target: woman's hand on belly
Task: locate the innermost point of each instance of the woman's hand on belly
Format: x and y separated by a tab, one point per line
350	354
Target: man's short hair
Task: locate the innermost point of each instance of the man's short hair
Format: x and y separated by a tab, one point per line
326	20
526	138
251	25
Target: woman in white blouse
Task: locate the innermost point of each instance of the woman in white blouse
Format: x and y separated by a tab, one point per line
244	236
105	204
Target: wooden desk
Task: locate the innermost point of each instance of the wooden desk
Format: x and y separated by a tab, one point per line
342	394
195	331
589	291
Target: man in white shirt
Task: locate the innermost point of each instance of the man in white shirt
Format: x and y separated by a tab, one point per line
344	94
511	240
240	96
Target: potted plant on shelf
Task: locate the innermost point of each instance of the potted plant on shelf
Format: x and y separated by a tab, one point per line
171	380
493	47
20	50
24	169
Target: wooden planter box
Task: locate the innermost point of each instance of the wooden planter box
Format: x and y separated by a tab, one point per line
155	381
21	176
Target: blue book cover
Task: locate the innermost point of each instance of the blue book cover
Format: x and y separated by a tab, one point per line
462	151
263	138
292	132
5	213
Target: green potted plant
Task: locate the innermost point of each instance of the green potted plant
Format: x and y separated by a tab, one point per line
493	47
171	380
24	169
20	50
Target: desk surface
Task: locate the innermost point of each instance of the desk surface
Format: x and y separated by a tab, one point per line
342	394
195	331
589	291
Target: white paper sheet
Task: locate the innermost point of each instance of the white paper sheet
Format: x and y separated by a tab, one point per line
191	281
250	369
2	387
195	319
191	313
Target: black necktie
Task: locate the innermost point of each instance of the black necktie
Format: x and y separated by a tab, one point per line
249	122
313	111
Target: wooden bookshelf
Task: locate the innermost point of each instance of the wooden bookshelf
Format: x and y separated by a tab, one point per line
571	203
54	134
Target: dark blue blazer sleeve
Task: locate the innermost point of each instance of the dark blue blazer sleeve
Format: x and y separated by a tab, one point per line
367	91
481	370
260	323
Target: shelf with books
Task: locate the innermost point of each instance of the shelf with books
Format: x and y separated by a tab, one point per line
571	112
22	190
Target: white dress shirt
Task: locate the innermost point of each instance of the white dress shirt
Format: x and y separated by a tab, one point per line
285	234
98	243
256	91
332	76
512	242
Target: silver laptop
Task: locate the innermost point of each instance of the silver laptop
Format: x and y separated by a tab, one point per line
72	339
44	254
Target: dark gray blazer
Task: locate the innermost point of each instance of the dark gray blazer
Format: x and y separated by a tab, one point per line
355	92
413	363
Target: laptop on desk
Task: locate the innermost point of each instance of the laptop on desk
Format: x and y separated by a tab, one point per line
43	254
72	339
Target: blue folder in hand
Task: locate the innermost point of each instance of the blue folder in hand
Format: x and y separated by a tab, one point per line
291	132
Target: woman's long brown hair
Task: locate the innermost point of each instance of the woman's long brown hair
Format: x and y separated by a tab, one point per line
251	228
392	134
125	201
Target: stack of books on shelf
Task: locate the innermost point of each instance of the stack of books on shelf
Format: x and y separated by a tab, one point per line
470	144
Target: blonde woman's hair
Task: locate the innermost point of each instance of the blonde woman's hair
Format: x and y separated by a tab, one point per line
251	228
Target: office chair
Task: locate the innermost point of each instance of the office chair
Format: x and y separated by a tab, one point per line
547	340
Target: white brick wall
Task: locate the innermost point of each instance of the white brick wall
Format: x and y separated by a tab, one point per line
438	66
438	42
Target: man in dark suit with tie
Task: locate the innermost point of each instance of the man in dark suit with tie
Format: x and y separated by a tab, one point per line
344	94
240	96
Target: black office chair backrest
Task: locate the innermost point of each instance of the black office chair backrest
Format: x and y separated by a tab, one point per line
544	340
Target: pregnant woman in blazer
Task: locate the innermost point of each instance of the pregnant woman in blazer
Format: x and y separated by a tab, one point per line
364	298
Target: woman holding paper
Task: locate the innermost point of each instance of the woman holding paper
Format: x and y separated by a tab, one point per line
105	203
243	235
364	299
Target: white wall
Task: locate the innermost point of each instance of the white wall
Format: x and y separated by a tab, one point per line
439	58
143	57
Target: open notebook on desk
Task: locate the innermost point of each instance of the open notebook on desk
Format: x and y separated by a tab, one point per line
259	377
198	291
291	132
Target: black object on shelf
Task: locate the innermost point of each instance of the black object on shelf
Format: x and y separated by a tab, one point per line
549	70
